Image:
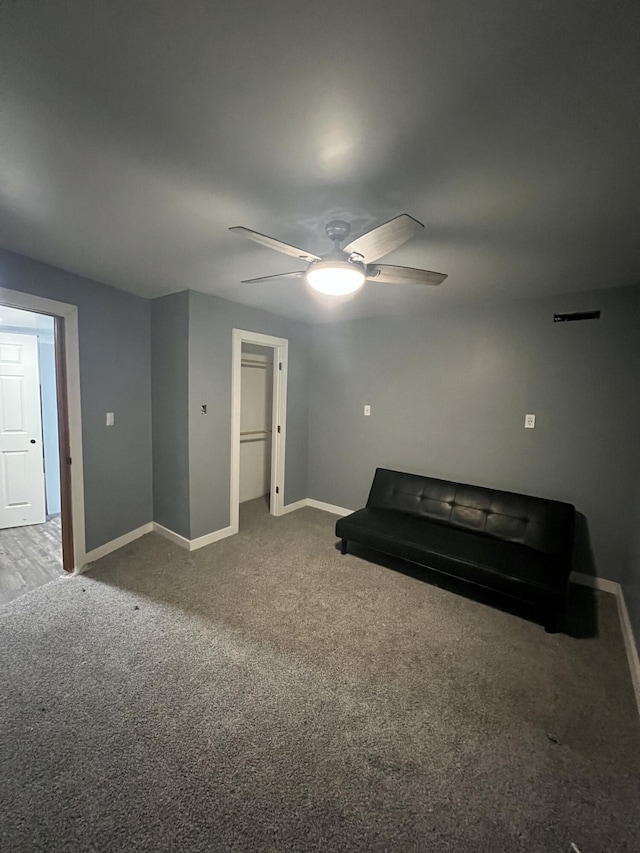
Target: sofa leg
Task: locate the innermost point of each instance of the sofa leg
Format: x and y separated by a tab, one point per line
343	546
551	621
554	614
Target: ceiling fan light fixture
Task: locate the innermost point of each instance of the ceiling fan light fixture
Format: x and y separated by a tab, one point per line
335	278
344	270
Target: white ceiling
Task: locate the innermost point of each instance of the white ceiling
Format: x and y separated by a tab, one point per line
135	133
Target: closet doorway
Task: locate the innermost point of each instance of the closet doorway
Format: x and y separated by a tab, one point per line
258	420
256	416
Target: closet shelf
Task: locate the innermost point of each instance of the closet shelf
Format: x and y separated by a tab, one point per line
248	362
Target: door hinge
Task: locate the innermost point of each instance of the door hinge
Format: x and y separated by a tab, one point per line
278	427
277	490
68	460
280	366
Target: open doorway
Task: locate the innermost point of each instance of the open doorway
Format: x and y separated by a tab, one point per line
31	474
258	421
256	414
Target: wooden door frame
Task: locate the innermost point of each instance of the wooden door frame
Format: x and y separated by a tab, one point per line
67	361
280	348
64	445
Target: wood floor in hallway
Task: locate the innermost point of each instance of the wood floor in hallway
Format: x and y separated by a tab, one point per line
29	557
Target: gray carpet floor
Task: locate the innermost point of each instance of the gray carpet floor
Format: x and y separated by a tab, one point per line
30	556
268	694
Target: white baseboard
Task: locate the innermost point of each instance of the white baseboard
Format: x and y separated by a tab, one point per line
171	535
210	538
294	506
594	582
336	510
630	645
109	547
194	544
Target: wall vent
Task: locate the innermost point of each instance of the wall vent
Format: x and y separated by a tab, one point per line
576	315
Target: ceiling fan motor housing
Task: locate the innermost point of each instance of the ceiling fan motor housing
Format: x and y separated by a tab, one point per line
337	230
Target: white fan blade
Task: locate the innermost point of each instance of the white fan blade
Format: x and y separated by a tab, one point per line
388	274
272	243
283	276
385	238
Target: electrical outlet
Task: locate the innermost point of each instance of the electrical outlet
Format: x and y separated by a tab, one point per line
529	421
367	411
110	420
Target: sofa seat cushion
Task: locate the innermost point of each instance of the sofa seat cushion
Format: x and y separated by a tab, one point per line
507	567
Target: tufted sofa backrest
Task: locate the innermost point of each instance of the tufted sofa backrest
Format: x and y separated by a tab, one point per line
538	523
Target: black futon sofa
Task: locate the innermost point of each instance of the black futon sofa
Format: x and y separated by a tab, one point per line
515	545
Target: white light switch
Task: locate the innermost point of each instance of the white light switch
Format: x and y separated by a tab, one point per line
109	418
367	411
529	421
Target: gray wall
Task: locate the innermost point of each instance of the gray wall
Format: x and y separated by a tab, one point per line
210	334
632	580
170	396
114	331
449	392
632	585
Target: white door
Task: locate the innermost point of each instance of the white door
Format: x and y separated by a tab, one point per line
21	462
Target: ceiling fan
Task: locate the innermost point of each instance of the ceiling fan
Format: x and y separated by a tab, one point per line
343	271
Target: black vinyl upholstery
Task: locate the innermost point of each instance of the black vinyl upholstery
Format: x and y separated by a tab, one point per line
514	544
